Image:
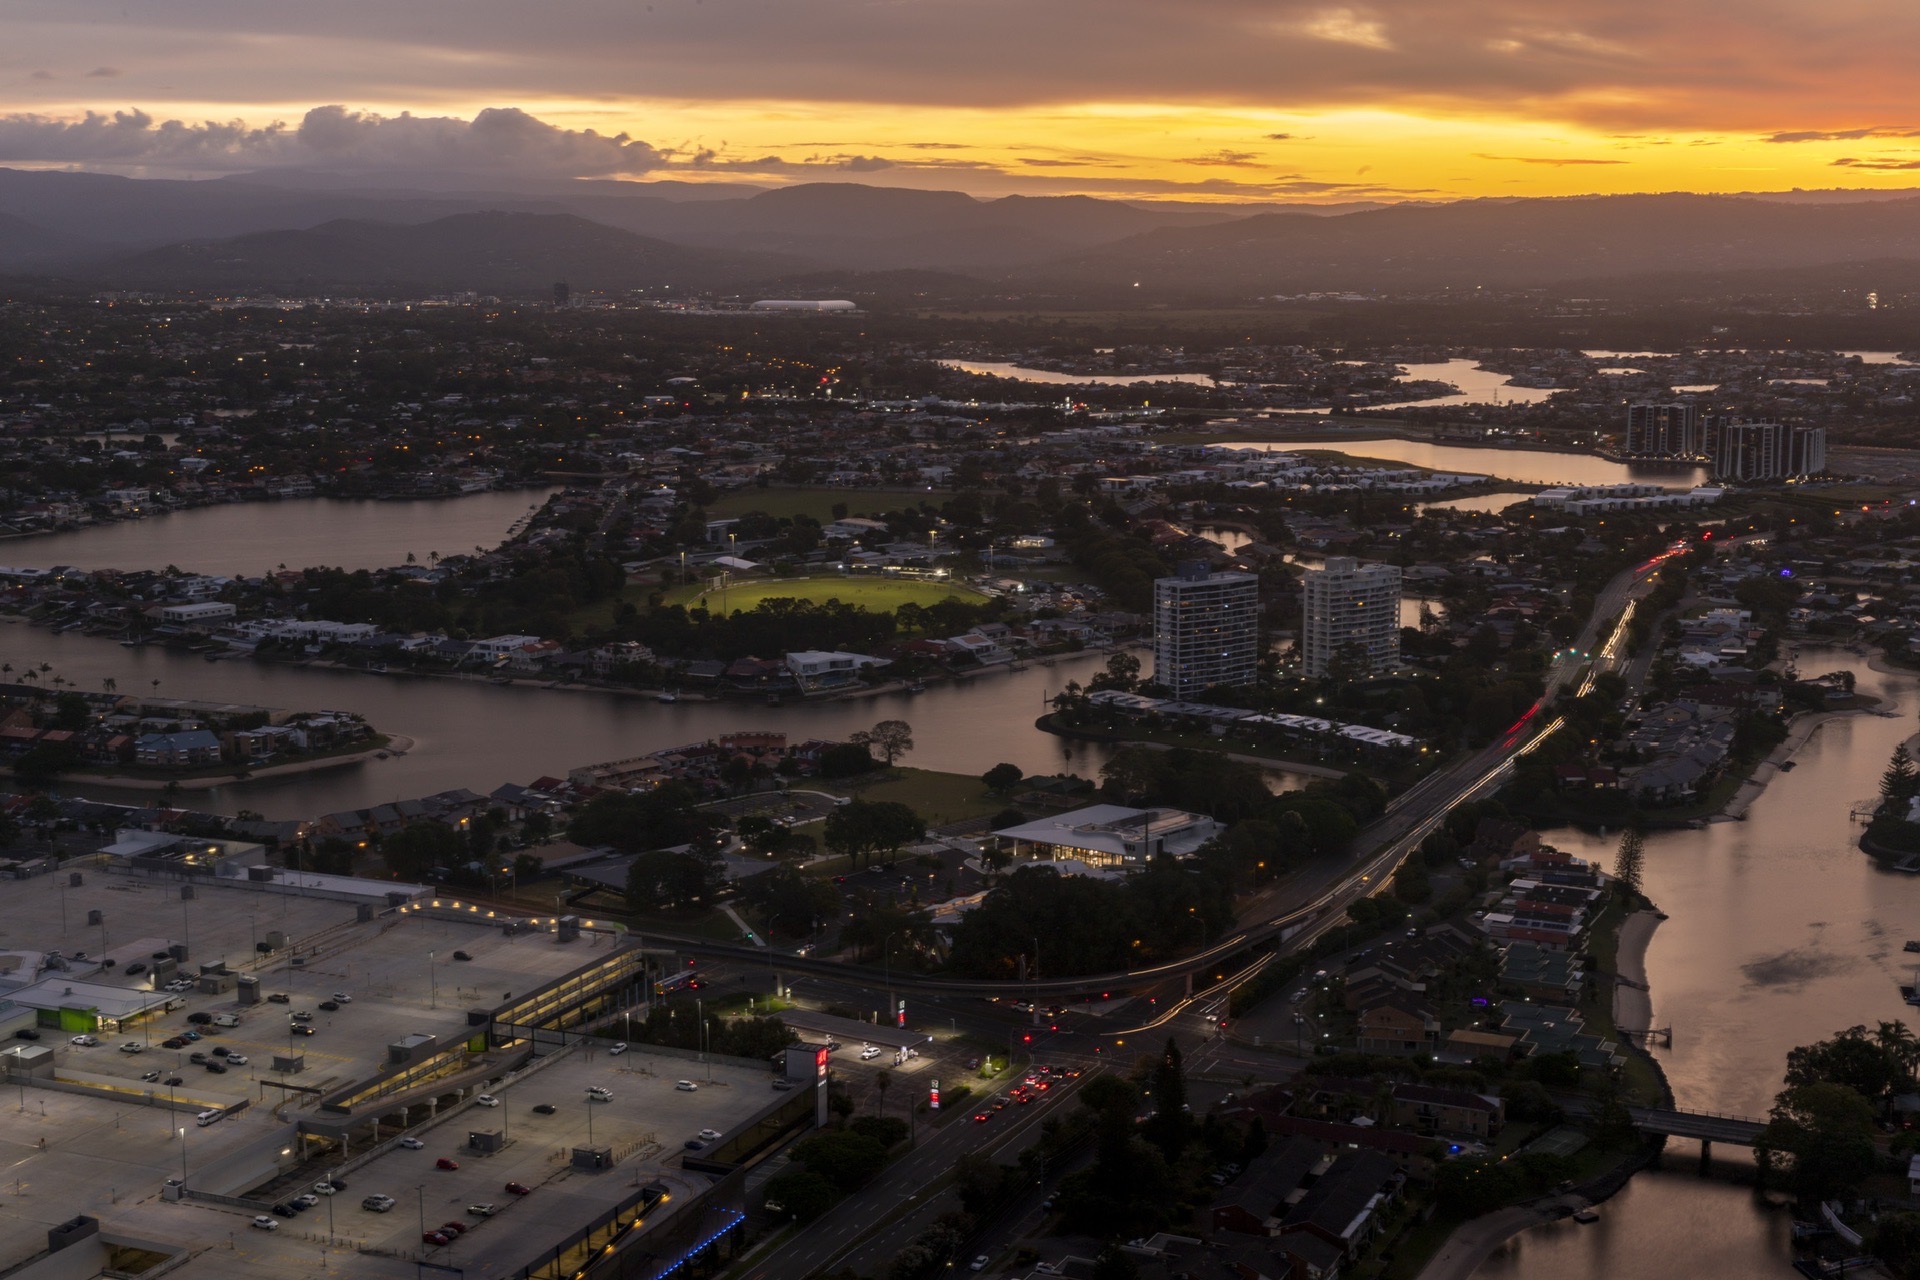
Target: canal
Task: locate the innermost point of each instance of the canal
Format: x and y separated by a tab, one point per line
1780	932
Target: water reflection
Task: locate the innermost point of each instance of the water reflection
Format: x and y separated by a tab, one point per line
1528	466
1781	932
255	537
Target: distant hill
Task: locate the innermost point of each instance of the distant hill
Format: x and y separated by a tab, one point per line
511	253
1492	244
26	245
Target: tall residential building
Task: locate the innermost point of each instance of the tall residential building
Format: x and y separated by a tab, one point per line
1664	431
1769	451
1350	604
1206	630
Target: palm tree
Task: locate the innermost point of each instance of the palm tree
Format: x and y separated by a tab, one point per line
156	686
109	685
1900	1044
881	1080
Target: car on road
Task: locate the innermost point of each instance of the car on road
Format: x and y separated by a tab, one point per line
999	1104
461	955
301	1015
619	1048
264	1223
133	1046
686	1086
343	997
487	1100
85	1042
519	1189
482	1210
446	1162
281	997
1299	995
170	1081
412	1144
694	1144
544	1109
328	1005
978	1264
981	1117
300	1029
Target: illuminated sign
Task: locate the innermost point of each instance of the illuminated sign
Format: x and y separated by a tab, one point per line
933	1096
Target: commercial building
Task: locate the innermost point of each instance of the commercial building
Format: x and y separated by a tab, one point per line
1664	431
1110	835
1769	451
1206	630
1352	607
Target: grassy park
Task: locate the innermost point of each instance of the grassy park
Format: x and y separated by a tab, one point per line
877	595
819	503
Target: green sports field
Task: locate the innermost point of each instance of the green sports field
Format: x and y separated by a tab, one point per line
880	595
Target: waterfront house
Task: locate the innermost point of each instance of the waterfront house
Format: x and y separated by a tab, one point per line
190	748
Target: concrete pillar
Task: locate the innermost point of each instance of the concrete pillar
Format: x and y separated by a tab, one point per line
1189	984
1706	1156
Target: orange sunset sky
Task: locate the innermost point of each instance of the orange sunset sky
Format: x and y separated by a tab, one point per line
1194	99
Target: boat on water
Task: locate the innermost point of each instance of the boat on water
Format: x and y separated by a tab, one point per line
1588	1214
667	695
916	686
1911	946
131	644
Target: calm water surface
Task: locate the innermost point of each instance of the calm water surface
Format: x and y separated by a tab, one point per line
1780	932
256	537
1007	369
1528	466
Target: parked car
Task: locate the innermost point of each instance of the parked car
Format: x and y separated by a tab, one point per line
694	1144
26	1033
199	1019
519	1188
281	997
133	1046
216	1068
978	1264
171	1042
150	1077
461	955
85	1042
686	1086
435	1238
191	1035
139	967
482	1210
377	1203
619	1048
237	1059
221	1051
265	1223
412	1144
328	1005
342	997
487	1100
782	1083
171	1081
446	1162
197	1059
300	1029
301	1015
306	1201
454	1228
710	1135
544	1109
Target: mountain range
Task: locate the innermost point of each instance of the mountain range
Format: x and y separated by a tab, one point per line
307	233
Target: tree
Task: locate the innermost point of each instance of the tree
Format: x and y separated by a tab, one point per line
414	851
1123	672
803	1194
1895	1240
1003	777
882	1081
1629	861
891	739
1901	780
866	827
846	760
665	877
1821	1137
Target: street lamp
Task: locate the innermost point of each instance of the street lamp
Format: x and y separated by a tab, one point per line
433	984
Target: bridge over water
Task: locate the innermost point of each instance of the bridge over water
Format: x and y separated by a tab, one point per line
1704	1127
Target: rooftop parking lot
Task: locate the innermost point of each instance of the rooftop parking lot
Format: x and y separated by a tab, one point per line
645	1123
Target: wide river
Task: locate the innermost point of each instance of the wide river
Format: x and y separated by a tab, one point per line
1528	466
257	537
1780	932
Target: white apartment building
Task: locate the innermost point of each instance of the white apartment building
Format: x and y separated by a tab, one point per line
1206	630
1350	604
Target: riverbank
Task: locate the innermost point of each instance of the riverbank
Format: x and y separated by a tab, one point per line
1800	731
377	749
1048	724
